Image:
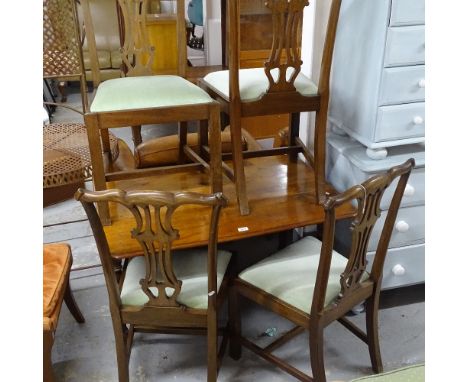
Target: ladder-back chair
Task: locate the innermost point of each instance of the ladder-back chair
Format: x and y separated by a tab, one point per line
278	88
312	285
163	290
141	98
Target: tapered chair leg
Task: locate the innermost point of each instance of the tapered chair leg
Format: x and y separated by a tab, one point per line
72	305
316	353
238	163
235	348
372	327
212	339
48	341
136	135
122	354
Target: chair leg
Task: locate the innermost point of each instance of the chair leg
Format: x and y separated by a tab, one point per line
316	353
122	355
212	339
182	141
48	341
62	88
372	326
235	348
72	305
238	162
136	135
294	122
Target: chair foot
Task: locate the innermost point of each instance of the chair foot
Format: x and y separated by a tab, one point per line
72	305
372	310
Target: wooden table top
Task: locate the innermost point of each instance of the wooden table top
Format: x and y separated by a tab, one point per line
281	198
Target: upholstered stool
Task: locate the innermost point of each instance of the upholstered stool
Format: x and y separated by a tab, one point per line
57	262
164	151
414	373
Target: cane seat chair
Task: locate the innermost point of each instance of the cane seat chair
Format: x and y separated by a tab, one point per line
164	290
141	98
312	285
278	88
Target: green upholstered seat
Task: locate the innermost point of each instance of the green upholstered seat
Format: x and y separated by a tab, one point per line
290	273
146	92
190	266
253	83
414	373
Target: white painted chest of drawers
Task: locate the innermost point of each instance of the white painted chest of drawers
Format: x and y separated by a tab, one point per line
377	82
347	165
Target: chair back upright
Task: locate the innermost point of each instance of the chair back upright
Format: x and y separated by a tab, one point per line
368	195
62	55
153	212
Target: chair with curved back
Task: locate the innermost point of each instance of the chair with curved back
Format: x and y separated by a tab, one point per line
312	285
142	99
164	290
277	88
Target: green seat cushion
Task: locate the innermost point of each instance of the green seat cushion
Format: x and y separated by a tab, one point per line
146	92
190	266
253	83
290	273
414	373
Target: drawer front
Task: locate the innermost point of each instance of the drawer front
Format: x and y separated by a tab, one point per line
408	228
414	194
403	266
400	121
407	12
402	85
405	46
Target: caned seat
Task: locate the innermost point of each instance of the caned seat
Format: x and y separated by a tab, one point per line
312	285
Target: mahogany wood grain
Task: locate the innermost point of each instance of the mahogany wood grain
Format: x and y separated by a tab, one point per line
281	195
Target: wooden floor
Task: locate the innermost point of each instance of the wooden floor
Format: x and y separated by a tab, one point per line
281	198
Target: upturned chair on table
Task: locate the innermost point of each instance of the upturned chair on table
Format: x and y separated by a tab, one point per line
163	290
320	285
141	99
278	88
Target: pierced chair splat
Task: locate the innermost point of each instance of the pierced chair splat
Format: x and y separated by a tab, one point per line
163	290
277	88
320	285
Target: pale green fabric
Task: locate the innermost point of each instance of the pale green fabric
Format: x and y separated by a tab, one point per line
146	92
190	266
414	373
253	83
290	273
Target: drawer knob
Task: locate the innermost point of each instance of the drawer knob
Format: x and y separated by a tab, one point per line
418	120
409	190
402	226
398	270
422	83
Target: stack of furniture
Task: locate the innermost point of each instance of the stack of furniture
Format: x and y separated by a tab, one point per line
377	98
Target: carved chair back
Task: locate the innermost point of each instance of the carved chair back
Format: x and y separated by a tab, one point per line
62	55
284	62
368	196
153	212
